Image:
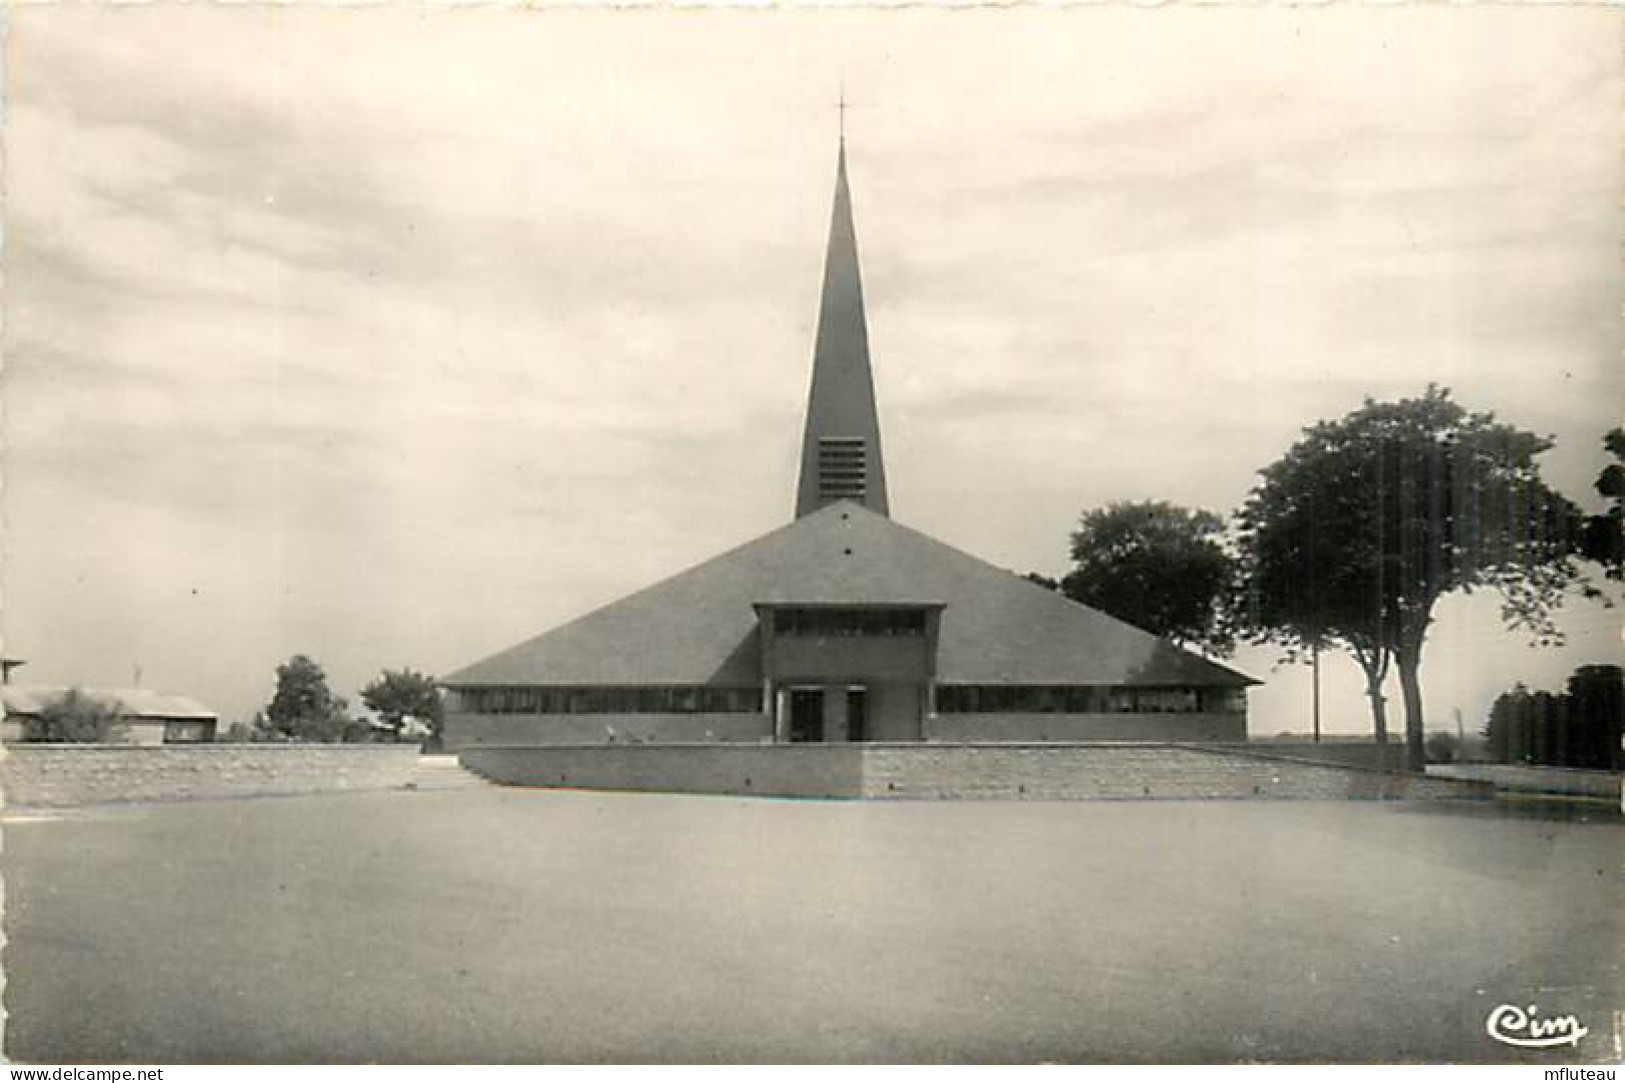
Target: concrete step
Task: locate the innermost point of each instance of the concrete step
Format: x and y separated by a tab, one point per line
444	773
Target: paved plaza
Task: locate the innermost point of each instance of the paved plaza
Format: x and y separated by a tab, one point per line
485	924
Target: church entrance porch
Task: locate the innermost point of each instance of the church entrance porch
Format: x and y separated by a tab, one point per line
835	713
848	673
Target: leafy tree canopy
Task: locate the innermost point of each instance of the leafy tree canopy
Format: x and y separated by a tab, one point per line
397	696
1604	539
1157	566
76	716
303	707
1581	727
1368	520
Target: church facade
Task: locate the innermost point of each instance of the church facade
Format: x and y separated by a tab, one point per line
844	625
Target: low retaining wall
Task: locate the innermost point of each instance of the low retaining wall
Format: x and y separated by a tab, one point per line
1050	772
1519	778
1021	728
65	775
1347	753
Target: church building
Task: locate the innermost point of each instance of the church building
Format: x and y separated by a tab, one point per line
843	625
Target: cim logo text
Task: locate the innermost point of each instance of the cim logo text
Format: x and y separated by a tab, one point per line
1522	1027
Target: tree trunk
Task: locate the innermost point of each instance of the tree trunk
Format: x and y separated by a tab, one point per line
1409	662
1374	664
1379	714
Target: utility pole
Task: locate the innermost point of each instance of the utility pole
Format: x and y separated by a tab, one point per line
1314	665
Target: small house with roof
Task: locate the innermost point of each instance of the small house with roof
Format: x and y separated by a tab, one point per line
140	717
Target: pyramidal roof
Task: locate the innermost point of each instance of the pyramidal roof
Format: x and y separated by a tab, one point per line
840	449
700	627
842	549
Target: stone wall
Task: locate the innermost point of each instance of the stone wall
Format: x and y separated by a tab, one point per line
1351	753
1128	771
469	730
1356	753
1121	726
66	775
762	770
1070	772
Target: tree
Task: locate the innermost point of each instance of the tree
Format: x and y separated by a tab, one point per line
403	695
1157	566
1582	727
1596	699
1604	538
1367	521
1306	558
1509	730
75	717
303	707
1442	747
240	732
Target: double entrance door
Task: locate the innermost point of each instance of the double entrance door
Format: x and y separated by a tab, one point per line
827	713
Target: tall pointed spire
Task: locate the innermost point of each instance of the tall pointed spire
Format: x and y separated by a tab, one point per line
840	453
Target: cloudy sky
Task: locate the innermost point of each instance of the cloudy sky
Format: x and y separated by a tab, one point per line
394	335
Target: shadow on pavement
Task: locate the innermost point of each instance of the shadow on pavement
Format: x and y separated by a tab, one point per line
1551	808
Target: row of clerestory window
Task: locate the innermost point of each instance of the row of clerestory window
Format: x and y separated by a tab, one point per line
1085	699
834	623
950	699
658	699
